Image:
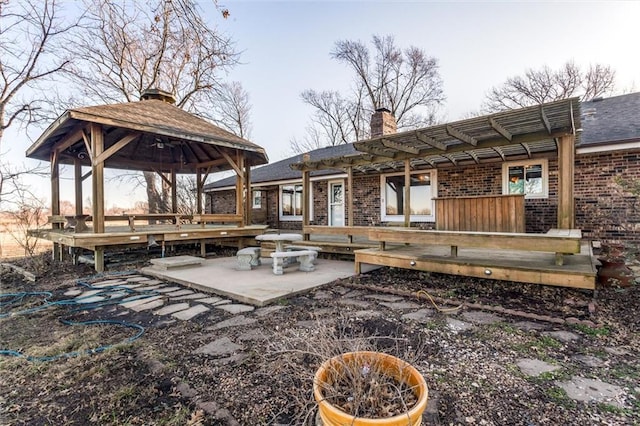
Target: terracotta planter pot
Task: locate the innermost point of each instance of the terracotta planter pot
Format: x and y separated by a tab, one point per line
395	367
614	272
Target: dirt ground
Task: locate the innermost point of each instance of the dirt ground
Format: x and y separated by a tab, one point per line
470	357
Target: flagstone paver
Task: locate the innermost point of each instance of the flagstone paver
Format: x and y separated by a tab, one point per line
384	297
190	313
169	309
354	302
73	292
149	287
457	325
137	302
535	367
367	314
235	308
190	296
563	336
136	279
212	300
401	305
268	310
479	317
236	321
222	346
421	315
588	390
589	360
150	305
179	293
168	289
108	283
90	299
89	293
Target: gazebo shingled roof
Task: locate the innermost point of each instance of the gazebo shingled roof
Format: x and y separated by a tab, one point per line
159	137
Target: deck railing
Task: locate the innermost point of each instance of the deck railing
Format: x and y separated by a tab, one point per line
486	213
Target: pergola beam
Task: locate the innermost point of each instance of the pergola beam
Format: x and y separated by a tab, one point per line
461	136
500	129
400	147
430	141
545	119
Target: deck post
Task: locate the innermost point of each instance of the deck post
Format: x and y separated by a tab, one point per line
98	259
97	183
566	160
77	179
248	199
407	193
350	196
55	201
306	197
174	191
199	187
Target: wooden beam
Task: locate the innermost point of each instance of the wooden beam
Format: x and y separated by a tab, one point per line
69	140
350	196
566	160
378	152
462	137
87	144
430	141
231	162
545	119
500	129
407	193
526	148
248	205
115	147
199	188
239	161
498	150
77	181
174	191
400	147
97	147
86	175
306	198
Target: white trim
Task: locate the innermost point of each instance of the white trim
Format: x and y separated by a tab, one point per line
544	162
294	218
329	195
253	199
433	176
608	147
282	182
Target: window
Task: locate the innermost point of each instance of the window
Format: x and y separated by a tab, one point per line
291	202
530	178
257	199
422	191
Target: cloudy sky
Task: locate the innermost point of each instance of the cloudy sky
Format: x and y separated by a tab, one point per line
285	49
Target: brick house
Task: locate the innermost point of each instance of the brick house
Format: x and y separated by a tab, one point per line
607	154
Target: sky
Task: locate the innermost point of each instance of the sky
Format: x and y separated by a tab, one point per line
285	49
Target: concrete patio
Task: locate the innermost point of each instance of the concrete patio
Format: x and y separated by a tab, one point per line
258	287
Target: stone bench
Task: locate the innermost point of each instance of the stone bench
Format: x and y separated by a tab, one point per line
293	247
248	258
305	257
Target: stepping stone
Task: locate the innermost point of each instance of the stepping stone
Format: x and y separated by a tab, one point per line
480	317
384	297
322	295
457	325
340	290
149	288
535	367
138	302
150	305
179	293
153	282
268	310
190	313
222	346
529	325
354	302
167	289
91	299
235	308
563	336
421	315
238	321
89	293
137	279
587	390
131	286
169	309
108	283
176	262
251	335
73	292
367	314
400	305
354	293
210	300
117	294
190	296
616	351
589	360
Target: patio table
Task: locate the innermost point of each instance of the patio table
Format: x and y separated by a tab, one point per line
279	239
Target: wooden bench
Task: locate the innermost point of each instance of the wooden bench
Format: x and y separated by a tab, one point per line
339	239
346	231
203	219
248	258
305	257
559	242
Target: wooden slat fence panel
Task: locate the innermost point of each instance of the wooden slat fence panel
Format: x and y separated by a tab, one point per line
486	213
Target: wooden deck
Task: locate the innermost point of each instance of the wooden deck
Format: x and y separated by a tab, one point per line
145	235
578	270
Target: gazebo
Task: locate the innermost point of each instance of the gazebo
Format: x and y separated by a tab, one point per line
151	135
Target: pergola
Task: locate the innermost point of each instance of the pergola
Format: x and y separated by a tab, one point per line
151	135
503	136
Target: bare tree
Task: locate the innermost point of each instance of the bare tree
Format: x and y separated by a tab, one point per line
406	82
232	109
546	85
31	33
127	48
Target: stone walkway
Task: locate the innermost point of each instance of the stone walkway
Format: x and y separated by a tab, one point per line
139	293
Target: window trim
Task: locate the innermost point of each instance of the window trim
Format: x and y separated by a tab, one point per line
294	218
344	201
384	217
255	205
544	162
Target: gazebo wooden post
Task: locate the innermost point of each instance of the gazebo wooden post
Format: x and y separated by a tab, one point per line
566	164
77	179
174	192
199	187
55	201
240	185
350	196
407	193
248	206
306	199
97	174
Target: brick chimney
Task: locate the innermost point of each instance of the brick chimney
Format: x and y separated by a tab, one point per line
382	123
158	94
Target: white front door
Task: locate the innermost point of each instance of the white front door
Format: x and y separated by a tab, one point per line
336	204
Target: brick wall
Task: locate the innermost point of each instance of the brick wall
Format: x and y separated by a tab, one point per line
603	210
